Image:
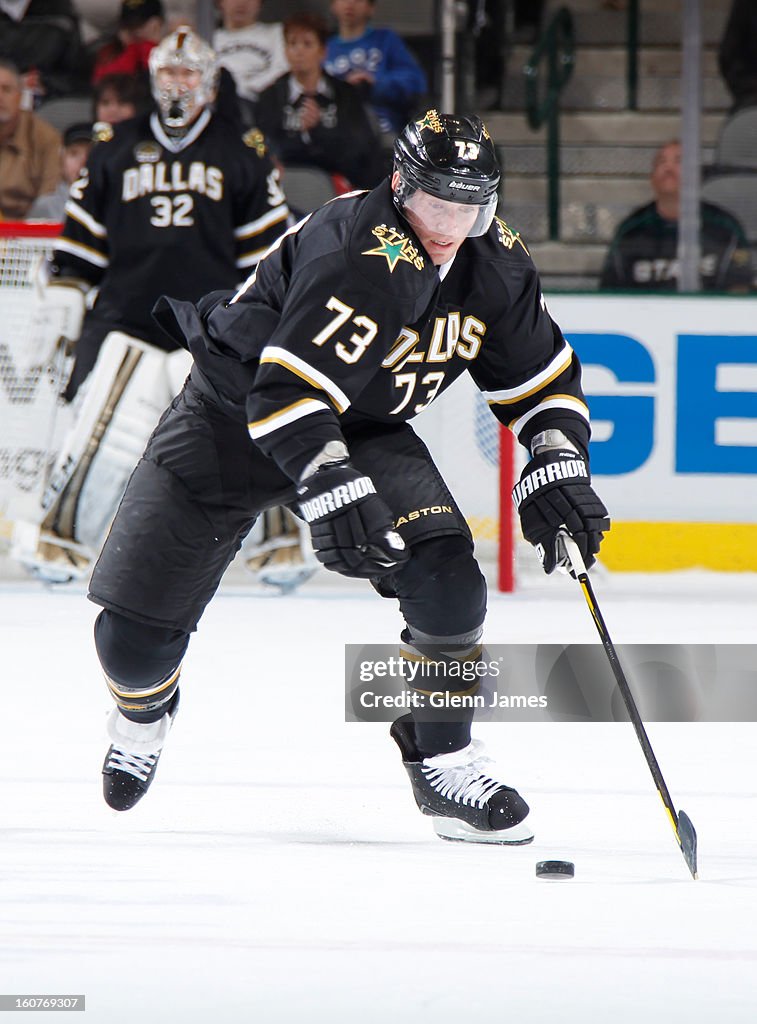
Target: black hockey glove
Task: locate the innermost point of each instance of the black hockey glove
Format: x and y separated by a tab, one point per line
554	491
351	527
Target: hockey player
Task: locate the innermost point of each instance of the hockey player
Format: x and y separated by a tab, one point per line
301	391
175	201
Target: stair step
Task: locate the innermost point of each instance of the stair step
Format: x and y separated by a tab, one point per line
587	222
519	187
664	61
668	6
610	92
656	27
554	283
568	258
592	127
630	161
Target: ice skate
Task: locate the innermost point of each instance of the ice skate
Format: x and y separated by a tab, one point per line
456	790
132	759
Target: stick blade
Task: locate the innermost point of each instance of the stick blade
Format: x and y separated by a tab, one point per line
687	838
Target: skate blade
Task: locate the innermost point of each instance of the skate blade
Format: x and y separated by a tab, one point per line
456	831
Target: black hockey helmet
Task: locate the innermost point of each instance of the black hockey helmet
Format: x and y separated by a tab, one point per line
452	158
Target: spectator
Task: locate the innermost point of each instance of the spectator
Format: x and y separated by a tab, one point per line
252	51
77	143
737	56
118	97
644	252
42	39
140	28
377	61
29	149
313	119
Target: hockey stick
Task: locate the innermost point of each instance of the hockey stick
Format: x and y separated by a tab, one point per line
686	836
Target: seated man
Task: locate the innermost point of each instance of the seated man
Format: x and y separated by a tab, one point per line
312	119
42	39
644	252
29	150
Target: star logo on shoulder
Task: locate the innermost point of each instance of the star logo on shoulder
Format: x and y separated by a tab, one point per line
508	237
395	248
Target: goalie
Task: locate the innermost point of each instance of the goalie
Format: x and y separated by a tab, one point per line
177	201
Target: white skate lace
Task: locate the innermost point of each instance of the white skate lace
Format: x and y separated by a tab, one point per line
462	776
138	765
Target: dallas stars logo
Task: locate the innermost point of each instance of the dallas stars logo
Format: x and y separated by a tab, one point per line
508	237
395	248
430	120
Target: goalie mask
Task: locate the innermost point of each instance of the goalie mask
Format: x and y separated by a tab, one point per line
183	76
452	159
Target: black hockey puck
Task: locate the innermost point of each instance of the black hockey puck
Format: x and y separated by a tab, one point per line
556	869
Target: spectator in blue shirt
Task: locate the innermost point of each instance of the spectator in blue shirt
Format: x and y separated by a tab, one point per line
377	61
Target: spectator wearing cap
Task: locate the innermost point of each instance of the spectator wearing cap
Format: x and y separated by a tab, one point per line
29	149
140	28
42	39
77	142
251	50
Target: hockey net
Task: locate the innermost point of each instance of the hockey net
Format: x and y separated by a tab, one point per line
31	370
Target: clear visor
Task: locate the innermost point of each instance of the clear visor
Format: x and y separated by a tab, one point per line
442	218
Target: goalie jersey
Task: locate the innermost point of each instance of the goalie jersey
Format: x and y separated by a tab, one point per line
346	321
152	215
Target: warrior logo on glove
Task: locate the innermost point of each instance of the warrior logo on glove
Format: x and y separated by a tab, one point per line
563	470
554	493
332	501
351	528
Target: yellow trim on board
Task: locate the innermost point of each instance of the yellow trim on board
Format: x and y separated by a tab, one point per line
665	547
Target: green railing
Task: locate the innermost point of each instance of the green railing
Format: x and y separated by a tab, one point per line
555	52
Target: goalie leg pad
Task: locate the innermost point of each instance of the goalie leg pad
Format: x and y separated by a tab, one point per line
278	551
141	664
116	412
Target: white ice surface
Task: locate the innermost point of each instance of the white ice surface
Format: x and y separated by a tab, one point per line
278	870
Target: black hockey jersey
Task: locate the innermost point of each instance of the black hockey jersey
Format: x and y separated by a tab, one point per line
643	255
347	319
153	215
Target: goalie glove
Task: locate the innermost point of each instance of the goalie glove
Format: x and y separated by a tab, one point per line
554	492
351	528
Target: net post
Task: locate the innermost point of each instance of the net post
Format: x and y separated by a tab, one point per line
506	546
